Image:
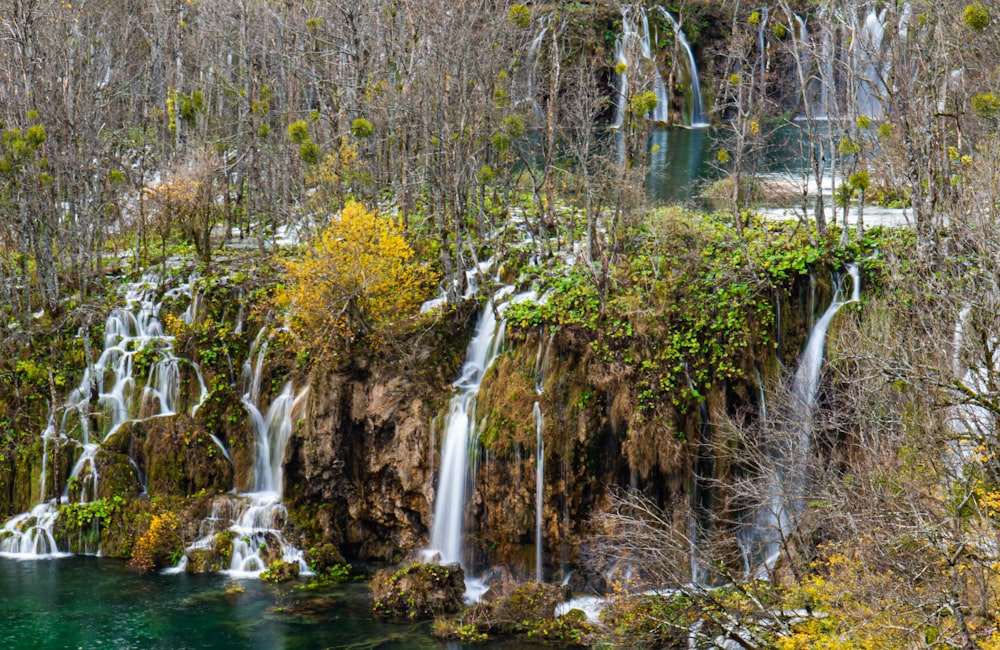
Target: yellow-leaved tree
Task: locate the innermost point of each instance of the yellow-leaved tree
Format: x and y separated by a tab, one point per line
357	279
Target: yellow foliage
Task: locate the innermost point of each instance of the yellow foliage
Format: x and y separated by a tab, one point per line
853	608
154	549
357	278
181	197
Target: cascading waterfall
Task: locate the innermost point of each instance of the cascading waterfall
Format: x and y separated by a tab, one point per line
633	48
827	87
543	353
254	519
868	64
805	61
970	421
448	527
539	485
532	65
107	397
697	117
786	486
762	44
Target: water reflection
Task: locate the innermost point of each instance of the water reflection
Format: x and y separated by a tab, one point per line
679	164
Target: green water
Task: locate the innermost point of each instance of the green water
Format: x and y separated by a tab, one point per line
83	602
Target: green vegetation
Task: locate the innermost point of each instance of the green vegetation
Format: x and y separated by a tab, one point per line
692	306
100	511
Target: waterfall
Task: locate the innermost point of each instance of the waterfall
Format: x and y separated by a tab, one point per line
786	486
253	520
271	431
634	37
762	45
532	64
827	87
633	48
697	117
448	526
871	88
539	486
108	395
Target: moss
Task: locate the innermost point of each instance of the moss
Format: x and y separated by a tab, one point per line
418	591
181	457
526	611
223	415
280	571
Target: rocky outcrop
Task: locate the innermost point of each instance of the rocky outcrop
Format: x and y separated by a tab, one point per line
176	455
357	472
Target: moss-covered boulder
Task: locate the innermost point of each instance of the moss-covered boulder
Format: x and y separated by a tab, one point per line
324	557
525	611
223	415
280	571
419	591
180	457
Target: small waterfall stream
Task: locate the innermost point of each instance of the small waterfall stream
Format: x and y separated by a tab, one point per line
531	64
448	528
868	62
696	119
785	497
539	486
109	394
448	524
254	520
633	48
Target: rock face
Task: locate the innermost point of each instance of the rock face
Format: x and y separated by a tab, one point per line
357	472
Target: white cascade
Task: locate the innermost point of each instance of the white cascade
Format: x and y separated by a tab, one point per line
532	65
108	395
697	118
785	497
255	519
871	88
632	48
540	360
762	45
827	84
448	527
539	486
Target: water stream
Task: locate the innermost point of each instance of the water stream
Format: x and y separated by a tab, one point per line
633	51
109	395
789	454
253	521
448	527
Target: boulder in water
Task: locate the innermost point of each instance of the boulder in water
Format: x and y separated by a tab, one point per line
419	591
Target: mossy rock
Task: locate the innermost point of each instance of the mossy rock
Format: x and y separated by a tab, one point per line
223	414
117	476
118	535
529	602
324	557
212	559
182	459
419	591
280	571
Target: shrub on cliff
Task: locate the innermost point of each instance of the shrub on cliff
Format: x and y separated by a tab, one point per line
356	279
160	545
